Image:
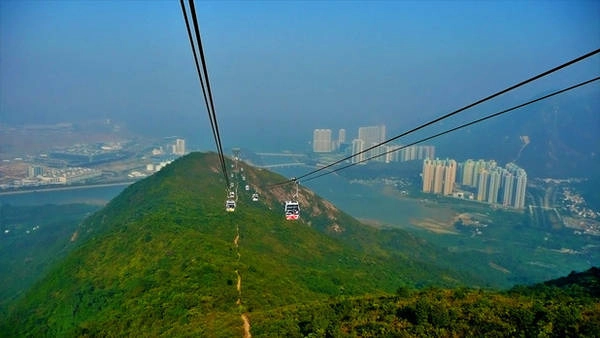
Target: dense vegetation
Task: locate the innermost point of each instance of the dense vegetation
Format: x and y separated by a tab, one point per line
32	239
544	310
164	258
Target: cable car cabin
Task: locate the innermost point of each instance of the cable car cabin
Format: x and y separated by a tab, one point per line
292	210
255	197
230	206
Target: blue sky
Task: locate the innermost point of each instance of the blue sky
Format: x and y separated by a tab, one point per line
281	68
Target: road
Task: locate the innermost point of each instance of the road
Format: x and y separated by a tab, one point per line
543	199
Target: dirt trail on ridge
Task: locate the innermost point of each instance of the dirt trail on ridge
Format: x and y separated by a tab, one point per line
244	316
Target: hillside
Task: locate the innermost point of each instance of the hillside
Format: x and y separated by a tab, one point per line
565	307
164	258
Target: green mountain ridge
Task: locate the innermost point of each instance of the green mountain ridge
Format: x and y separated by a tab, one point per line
165	252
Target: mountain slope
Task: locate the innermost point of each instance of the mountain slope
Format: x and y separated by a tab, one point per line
558	308
164	258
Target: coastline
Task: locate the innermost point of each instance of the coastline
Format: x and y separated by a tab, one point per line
73	187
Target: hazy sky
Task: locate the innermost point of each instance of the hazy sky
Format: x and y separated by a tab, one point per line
281	68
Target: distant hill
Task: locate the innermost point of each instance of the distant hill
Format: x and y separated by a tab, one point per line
164	258
561	135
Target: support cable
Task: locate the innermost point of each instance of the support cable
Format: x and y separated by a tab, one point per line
459	127
206	90
534	78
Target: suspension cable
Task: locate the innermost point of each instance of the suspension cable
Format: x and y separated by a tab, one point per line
203	76
534	78
459	127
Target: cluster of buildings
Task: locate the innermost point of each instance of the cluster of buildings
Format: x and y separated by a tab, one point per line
72	165
41	176
482	180
576	204
177	148
85	155
324	142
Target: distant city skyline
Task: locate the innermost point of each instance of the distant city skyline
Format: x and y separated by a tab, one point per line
369	136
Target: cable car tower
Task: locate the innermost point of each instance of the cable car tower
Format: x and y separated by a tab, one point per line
292	208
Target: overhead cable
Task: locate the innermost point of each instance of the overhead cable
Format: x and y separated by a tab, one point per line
203	77
459	127
534	78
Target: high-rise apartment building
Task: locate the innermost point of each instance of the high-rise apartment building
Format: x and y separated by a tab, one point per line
322	140
428	173
179	147
494	186
392	154
341	137
482	185
477	168
438	177
372	136
520	189
449	177
358	146
467	176
507	192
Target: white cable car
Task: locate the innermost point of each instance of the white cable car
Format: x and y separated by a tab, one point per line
255	197
247	187
231	195
292	210
230	205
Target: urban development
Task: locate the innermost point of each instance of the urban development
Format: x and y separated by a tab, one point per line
125	161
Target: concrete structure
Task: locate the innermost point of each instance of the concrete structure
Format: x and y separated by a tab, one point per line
508	187
322	141
372	136
35	171
449	177
427	175
439	176
494	186
468	171
341	137
520	189
179	147
358	145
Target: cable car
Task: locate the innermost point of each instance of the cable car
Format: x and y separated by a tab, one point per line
247	187
292	210
231	195
255	197
230	206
